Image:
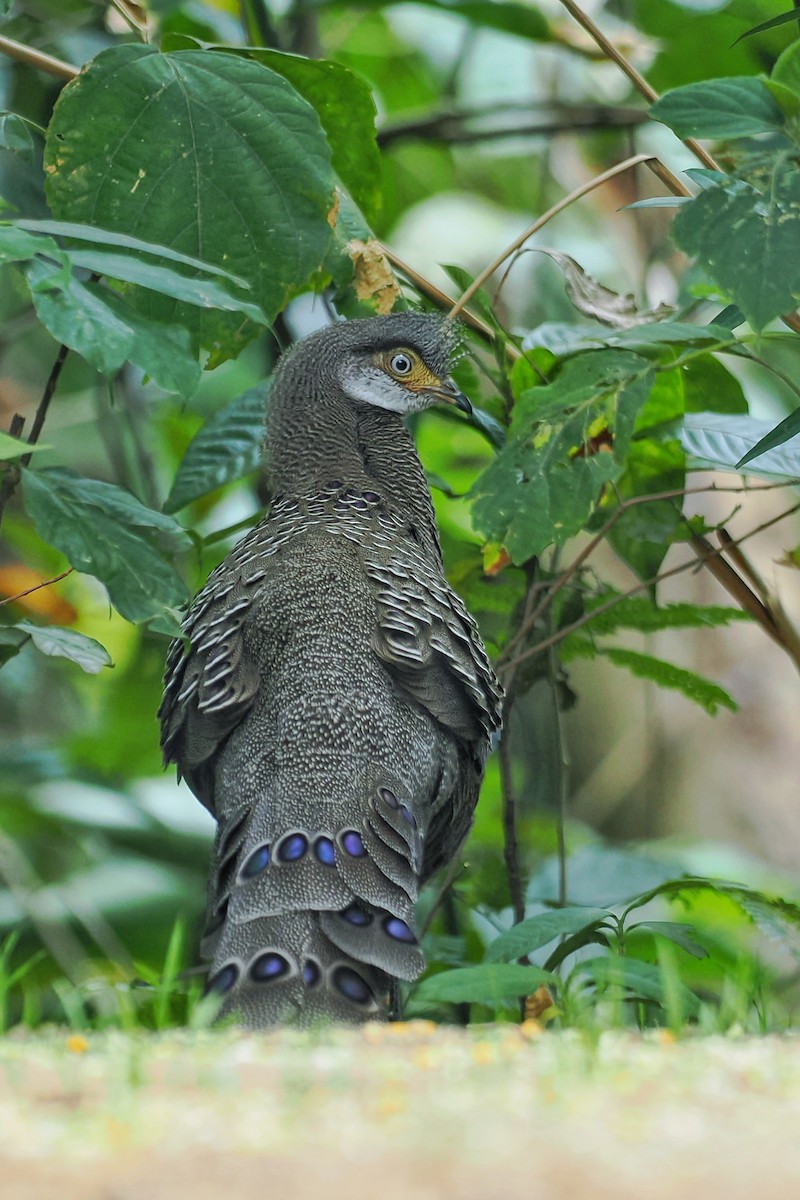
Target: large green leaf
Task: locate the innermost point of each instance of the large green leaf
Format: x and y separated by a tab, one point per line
237	171
535	932
748	239
490	983
226	448
566	441
344	104
719	108
104	531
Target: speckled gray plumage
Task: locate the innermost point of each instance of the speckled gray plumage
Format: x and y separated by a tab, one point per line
335	705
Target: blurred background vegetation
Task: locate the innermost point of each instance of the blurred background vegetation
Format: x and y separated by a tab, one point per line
487	114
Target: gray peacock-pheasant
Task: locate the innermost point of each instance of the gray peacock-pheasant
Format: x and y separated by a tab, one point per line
335	706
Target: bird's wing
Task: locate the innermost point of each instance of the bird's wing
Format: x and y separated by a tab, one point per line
430	644
209	682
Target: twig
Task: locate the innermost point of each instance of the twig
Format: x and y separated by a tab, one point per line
735	586
445	302
36	587
12	476
638	81
37	58
510	842
450	127
44	403
518	242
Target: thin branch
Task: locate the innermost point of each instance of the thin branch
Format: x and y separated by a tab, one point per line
510	842
452	127
37	58
642	586
638	81
12	476
36	587
44	403
735	586
538	224
445	302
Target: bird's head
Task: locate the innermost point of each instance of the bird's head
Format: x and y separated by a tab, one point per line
400	362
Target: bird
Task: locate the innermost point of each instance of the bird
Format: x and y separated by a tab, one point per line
330	700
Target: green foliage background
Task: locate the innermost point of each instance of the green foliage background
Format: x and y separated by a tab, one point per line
169	213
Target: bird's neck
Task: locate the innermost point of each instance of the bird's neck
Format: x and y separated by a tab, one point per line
309	445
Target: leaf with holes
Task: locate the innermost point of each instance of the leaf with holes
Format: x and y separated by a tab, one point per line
748	240
567	440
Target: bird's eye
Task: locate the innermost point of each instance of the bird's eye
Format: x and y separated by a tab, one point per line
400	364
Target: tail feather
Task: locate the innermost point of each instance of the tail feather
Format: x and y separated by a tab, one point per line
315	918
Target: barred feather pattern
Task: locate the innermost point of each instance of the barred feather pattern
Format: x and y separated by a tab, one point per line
333	710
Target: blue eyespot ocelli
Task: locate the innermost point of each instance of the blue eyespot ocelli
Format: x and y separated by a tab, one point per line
268	967
293	847
256	863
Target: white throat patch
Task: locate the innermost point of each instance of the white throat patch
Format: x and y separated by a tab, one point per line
371	385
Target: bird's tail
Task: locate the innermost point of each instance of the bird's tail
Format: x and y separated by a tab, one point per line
314	920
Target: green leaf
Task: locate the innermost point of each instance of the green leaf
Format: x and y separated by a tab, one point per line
748	240
675	931
108	332
346	110
642	980
11	447
566	441
490	983
204	293
104	237
786	71
726	443
719	108
226	448
535	932
104	531
222	129
772	23
643	614
783	432
57	642
702	691
17	245
11	642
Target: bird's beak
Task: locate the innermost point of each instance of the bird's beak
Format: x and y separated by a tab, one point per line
448	393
